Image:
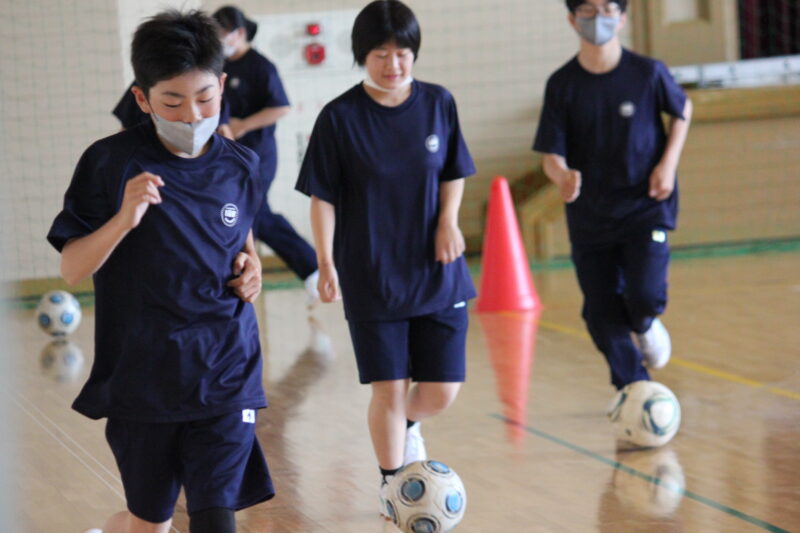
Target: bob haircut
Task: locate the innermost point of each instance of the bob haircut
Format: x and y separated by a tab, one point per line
231	18
173	43
381	22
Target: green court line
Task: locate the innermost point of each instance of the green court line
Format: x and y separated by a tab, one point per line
646	477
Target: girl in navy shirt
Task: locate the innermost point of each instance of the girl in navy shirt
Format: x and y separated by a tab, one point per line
605	147
384	169
255	94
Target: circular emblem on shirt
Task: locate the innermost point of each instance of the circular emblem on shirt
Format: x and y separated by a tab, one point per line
432	143
229	214
234	82
627	109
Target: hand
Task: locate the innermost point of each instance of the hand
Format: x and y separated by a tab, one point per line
449	243
237	127
328	284
570	186
662	182
247	283
140	193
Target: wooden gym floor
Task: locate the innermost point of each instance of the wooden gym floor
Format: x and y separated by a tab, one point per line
528	433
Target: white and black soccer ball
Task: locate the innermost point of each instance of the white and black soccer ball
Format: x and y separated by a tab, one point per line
58	313
426	497
62	360
645	413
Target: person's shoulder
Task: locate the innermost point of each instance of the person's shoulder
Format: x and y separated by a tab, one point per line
260	61
565	72
645	64
238	153
345	103
116	146
434	91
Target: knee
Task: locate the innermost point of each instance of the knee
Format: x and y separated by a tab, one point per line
647	302
439	396
215	520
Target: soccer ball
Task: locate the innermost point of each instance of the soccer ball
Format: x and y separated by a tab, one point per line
58	313
645	413
426	497
62	360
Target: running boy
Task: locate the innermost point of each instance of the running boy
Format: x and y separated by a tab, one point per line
160	215
605	147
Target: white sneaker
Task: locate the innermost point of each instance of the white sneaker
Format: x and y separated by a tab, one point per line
386	507
415	445
312	293
95	530
655	345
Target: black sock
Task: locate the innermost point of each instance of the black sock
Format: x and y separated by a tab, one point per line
386	473
409	423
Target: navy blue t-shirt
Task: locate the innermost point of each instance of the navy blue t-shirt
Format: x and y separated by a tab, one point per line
130	114
609	126
253	84
381	168
172	341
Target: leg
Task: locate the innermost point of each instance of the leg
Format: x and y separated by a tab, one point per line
276	232
216	520
600	278
387	422
428	399
646	262
125	522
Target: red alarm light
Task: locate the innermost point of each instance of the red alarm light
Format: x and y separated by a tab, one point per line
313	29
315	54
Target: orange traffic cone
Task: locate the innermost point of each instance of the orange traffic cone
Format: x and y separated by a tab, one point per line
506	281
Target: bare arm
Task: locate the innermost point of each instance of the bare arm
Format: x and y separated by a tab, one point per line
323	223
84	256
261	119
566	179
662	180
449	239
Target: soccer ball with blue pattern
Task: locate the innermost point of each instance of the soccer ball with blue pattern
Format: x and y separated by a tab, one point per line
646	414
426	497
58	313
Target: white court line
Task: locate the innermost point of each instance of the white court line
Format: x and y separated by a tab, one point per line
72	452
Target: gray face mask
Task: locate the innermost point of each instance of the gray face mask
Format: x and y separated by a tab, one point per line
597	30
188	138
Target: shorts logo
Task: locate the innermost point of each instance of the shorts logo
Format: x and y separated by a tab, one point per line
229	214
459	305
432	143
248	416
234	83
659	236
627	109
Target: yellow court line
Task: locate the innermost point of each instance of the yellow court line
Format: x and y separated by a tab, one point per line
697	367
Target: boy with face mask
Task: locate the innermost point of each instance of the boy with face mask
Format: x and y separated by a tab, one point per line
604	146
160	216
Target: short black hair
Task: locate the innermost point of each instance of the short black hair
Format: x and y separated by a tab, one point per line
572	5
381	22
232	18
172	43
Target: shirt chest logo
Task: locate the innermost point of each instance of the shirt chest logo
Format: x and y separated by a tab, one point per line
229	214
234	82
627	109
432	143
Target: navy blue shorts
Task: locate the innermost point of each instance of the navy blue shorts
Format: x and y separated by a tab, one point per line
424	348
218	461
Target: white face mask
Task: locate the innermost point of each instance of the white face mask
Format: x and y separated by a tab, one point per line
228	50
599	29
188	138
369	82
